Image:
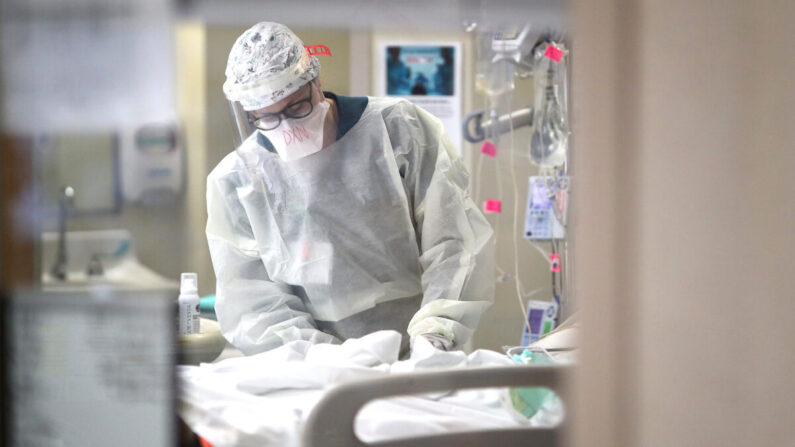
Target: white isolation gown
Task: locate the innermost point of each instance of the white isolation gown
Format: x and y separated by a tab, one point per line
376	231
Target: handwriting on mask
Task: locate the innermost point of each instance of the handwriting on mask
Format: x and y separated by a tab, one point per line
296	135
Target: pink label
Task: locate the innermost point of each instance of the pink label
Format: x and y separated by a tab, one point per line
492	206
554	262
553	53
489	149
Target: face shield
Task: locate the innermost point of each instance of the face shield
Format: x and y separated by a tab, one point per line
247	122
267	63
241	123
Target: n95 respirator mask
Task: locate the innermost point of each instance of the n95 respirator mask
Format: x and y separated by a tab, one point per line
298	138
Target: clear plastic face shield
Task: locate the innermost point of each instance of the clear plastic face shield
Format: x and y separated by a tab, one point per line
267	64
293	126
296	106
241	123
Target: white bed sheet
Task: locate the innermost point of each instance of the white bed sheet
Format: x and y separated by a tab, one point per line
263	400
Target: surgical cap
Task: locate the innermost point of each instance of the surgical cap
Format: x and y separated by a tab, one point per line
267	63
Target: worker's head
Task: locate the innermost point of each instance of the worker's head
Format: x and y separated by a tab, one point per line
269	66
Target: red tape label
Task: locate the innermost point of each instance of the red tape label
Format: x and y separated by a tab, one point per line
554	262
553	53
489	149
315	50
492	206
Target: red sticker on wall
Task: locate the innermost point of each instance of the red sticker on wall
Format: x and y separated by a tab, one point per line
553	53
489	149
315	50
554	262
492	206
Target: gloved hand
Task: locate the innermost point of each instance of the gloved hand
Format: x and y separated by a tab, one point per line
438	341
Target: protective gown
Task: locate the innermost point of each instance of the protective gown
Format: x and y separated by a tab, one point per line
376	231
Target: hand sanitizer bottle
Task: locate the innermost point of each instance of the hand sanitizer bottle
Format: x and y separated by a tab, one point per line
188	304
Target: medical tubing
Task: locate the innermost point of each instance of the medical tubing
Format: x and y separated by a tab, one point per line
478	170
544	254
498	174
479	199
558	213
525	318
554	285
535	291
478	176
497	217
563	270
557	276
498	177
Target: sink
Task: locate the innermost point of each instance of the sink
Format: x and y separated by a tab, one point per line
114	248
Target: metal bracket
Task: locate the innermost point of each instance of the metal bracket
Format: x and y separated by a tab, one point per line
505	123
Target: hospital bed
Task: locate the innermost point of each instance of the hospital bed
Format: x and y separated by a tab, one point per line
327	395
332	420
331	423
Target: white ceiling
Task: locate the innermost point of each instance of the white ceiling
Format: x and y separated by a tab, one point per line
383	15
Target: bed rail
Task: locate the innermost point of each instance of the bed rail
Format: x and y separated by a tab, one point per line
331	422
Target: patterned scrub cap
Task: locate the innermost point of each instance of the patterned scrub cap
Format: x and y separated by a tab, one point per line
267	63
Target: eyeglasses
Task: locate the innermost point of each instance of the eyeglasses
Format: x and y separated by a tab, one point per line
296	110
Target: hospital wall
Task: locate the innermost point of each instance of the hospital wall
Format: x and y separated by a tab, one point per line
202	52
688	282
168	238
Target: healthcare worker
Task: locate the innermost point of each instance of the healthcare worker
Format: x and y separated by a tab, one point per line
339	216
